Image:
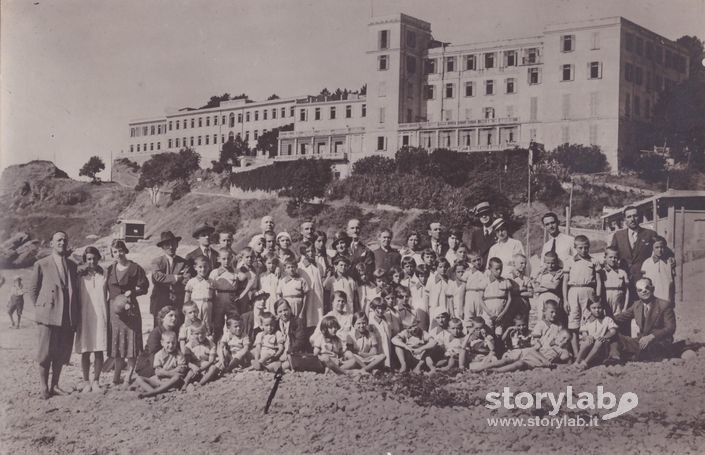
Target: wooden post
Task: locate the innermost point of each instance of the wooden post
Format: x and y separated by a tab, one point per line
682	256
655	213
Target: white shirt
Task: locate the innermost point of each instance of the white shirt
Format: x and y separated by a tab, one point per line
565	248
506	251
661	275
596	328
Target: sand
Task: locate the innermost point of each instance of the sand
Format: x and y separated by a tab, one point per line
329	414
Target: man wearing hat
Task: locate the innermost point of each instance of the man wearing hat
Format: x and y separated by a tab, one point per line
169	276
482	239
203	234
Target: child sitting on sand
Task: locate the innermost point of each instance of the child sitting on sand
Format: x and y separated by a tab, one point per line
190	311
169	368
529	358
596	334
517	336
453	346
269	345
363	344
479	345
234	347
414	345
330	349
200	355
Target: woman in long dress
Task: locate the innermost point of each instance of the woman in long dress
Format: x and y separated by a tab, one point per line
92	333
124	278
505	247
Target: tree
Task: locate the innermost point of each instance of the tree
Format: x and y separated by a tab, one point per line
91	168
580	158
269	141
696	52
168	167
216	100
363	89
308	180
273	96
230	153
374	165
412	160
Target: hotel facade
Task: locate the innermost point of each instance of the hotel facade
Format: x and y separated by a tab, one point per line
593	82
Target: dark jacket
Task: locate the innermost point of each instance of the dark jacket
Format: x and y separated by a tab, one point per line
661	320
167	289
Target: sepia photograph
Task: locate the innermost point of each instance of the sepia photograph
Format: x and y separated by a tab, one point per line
352	227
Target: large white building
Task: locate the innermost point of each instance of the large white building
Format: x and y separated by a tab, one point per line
590	82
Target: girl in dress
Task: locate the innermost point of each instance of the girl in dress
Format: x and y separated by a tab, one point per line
125	281
92	333
320	254
167	321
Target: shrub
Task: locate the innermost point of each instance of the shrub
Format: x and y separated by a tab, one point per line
580	158
374	165
650	167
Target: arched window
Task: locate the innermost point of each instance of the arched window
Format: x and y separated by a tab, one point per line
232	120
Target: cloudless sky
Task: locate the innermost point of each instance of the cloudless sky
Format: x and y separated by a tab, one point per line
75	72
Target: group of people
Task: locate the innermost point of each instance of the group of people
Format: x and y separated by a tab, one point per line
341	306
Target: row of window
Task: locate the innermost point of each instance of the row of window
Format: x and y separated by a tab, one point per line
383	39
147	130
594	71
230	119
143	147
654	52
635	74
449	88
489	60
332	112
634	108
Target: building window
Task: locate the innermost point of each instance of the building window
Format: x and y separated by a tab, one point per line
264	114
222	138
364	111
239	117
470	62
274	113
199	140
151	133
348	111
410	64
232	120
532	56
567	43
208	121
291	111
565	134
185	125
200	122
510	84
566	72
138	147
383	39
332	112
256	134
247	135
170	125
489	87
382	62
247	116
380	143
177	143
595	41
317	113
381	114
168	142
411	39
405	140
429	92
302	115
215	120
449	90
469	89
284	112
450	64
627	105
534	76
223	122
207	138
192	141
628	72
215	139
430	66
489	60
533	108
510	58
256	116
595	69
488	112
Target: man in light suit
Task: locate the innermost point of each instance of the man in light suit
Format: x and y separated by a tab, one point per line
169	276
635	245
53	289
656	322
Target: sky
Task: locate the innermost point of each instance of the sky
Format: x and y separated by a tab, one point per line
73	73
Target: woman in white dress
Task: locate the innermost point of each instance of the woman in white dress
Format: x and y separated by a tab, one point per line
92	333
505	247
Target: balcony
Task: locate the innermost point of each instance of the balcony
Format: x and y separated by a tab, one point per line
488	148
317	156
325	132
459	123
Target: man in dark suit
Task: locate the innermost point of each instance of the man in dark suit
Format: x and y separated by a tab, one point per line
635	245
53	288
203	234
169	276
483	238
359	253
656	322
386	257
435	230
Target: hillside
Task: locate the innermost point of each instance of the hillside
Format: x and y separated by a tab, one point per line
39	198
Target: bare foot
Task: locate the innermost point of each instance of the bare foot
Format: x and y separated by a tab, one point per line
87	388
56	390
96	388
45	394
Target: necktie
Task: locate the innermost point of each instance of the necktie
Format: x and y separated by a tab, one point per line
632	238
553	246
646	312
64	271
168	267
